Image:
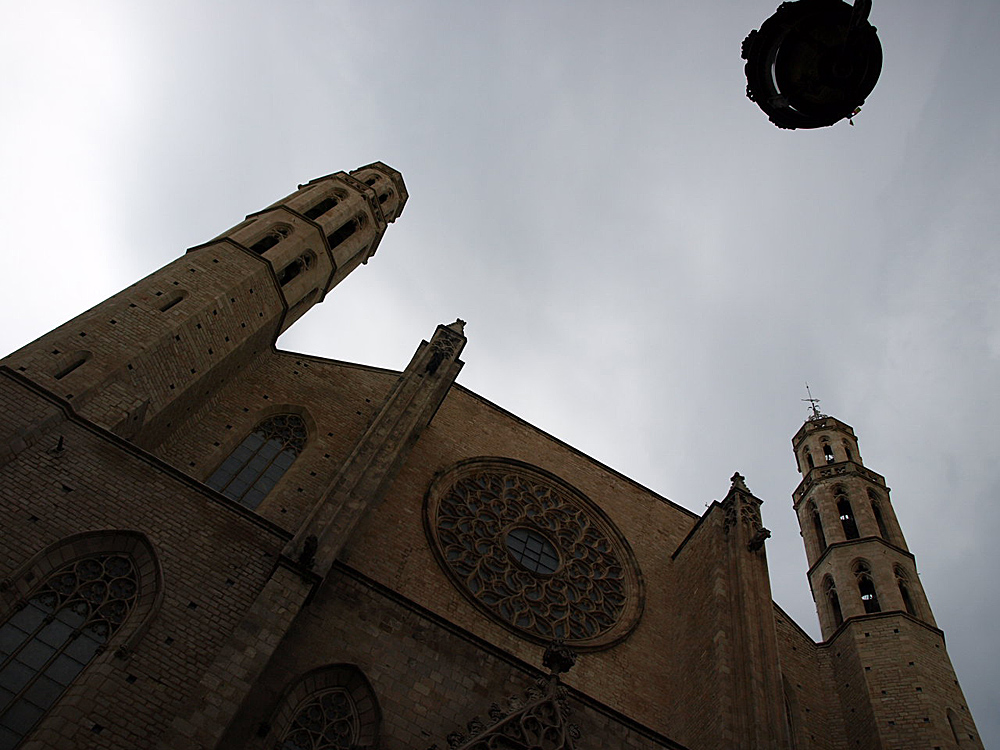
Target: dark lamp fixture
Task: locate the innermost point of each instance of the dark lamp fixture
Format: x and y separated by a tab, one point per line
813	62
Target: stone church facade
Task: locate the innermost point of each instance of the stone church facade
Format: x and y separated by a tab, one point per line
211	543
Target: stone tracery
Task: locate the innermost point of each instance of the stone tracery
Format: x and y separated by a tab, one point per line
589	597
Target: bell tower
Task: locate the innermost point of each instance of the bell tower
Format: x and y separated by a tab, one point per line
140	362
887	651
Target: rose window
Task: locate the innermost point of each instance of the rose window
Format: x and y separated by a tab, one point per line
534	552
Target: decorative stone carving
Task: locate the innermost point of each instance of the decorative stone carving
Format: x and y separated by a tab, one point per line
587	593
540	723
558	658
740	503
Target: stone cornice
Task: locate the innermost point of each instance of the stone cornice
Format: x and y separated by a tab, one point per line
827	472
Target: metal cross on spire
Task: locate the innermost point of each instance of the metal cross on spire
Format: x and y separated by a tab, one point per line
813	404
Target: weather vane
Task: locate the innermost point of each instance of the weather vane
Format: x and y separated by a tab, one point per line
813	404
813	62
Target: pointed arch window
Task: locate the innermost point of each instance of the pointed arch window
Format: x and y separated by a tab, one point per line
303	263
809	459
252	470
846	513
328	721
343	232
847	450
63	625
954	722
831	596
76	361
322	207
269	240
330	708
904	591
818	527
883	530
828	453
866	587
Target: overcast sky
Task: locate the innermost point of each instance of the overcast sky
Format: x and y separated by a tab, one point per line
649	269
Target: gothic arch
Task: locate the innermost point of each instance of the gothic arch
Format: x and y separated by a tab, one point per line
71	603
339	694
278	437
866	586
846	513
793	713
879	515
270	236
136	544
817	523
905	591
833	599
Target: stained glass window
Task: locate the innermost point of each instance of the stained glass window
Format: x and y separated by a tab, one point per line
532	550
328	721
252	470
49	641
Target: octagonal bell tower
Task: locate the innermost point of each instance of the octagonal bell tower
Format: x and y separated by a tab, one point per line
886	650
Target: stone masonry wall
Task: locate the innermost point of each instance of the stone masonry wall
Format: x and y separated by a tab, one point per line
391	547
809	688
215	557
336	400
430	679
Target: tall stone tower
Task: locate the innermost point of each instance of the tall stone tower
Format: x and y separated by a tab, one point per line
143	361
893	671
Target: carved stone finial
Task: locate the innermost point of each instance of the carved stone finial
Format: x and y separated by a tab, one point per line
558	657
458	326
757	540
738	482
455	739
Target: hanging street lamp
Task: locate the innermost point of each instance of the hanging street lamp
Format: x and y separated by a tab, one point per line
813	62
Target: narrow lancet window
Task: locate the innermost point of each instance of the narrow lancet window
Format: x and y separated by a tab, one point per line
818	526
303	263
831	596
953	722
269	240
847	451
343	232
809	460
847	517
880	521
78	359
828	453
904	592
866	587
321	208
172	301
252	470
